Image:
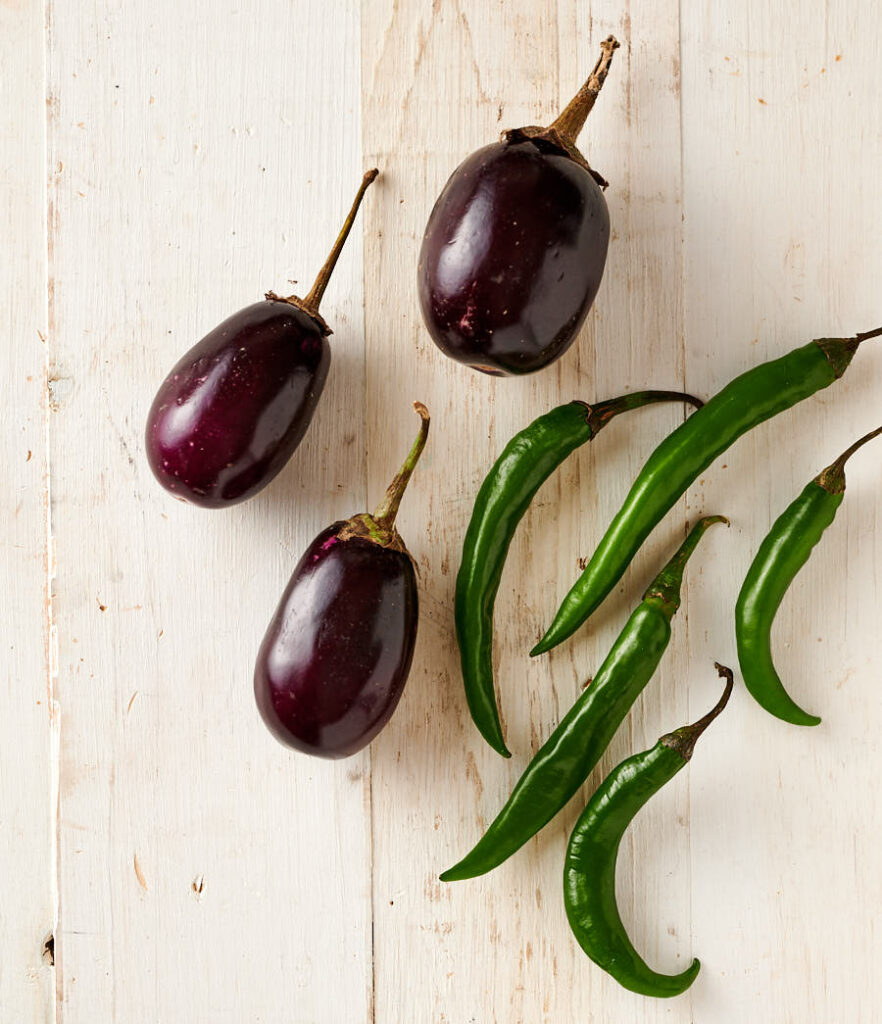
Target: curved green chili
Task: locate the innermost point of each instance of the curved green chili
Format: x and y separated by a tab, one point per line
589	879
746	401
781	555
525	464
569	754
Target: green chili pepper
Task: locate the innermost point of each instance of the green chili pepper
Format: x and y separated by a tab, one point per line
525	464
589	879
781	555
569	754
748	400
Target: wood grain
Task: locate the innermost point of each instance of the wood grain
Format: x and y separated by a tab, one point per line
207	874
498	948
782	217
28	723
198	155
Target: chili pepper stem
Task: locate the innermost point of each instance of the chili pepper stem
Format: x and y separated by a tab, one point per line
684	740
841	351
572	119
869	334
601	413
387	510
311	303
832	478
748	400
666	586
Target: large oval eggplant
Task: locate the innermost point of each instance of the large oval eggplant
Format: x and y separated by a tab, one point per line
337	653
236	406
515	247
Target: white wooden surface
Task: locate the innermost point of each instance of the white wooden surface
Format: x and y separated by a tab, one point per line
164	164
28	722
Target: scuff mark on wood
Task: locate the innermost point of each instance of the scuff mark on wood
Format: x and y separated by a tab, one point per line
849	673
58	388
139	874
473	775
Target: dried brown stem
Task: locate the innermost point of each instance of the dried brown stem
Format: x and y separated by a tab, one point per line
572	119
683	740
832	478
387	510
311	303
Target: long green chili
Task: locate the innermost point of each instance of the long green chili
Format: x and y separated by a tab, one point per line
748	400
567	757
525	464
589	878
781	555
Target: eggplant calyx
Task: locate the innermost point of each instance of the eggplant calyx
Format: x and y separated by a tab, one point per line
365	527
300	304
551	138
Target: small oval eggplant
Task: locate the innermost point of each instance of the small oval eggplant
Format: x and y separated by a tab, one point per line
515	247
236	406
335	658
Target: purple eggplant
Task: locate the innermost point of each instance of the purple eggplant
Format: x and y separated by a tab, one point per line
515	247
235	407
334	661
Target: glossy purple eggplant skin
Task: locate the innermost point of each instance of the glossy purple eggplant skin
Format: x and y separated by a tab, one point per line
512	257
334	661
231	412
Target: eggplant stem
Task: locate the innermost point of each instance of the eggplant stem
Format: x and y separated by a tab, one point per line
572	119
311	303
387	510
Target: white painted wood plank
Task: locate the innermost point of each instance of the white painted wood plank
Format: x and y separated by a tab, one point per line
203	154
639	343
441	80
27	805
781	148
